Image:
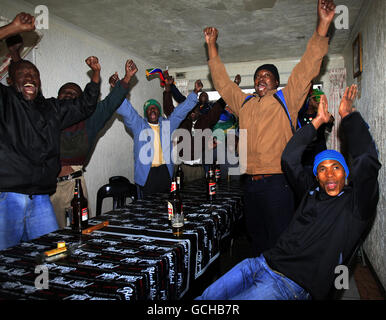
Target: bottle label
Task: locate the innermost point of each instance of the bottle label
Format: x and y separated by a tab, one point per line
212	188
218	173
84	214
170	210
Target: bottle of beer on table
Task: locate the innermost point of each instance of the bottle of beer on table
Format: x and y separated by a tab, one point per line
79	206
211	189
179	178
175	214
217	172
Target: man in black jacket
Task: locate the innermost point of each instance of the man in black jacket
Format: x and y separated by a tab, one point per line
30	128
328	223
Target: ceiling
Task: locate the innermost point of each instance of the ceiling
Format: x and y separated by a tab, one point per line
169	32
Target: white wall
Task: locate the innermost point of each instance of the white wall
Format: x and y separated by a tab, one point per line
371	104
60	58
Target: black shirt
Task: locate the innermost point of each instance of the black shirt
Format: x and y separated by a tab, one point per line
30	137
325	229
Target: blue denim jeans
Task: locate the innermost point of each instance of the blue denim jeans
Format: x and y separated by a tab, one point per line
253	279
23	218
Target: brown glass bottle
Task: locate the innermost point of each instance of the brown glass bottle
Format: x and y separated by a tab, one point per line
79	206
217	172
175	213
179	178
211	188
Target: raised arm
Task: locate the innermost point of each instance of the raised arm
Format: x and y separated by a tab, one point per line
300	179
168	106
361	147
21	23
228	89
299	82
113	100
182	110
130	116
75	110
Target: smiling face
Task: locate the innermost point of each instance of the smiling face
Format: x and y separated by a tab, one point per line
331	177
152	114
25	78
265	81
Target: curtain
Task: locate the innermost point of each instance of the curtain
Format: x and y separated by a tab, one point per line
337	79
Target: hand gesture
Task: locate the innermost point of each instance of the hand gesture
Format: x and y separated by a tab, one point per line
323	116
113	79
24	22
211	35
93	63
169	80
326	10
198	86
130	68
237	79
347	101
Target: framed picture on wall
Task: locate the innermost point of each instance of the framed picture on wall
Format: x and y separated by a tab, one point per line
357	56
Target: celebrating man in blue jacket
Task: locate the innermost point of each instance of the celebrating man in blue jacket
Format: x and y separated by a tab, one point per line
153	163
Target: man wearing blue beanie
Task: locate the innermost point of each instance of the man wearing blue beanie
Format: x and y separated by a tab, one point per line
328	224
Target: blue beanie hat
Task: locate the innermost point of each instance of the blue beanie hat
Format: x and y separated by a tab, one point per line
330	155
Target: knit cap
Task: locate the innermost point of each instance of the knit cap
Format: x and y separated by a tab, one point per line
270	67
317	93
151	102
330	155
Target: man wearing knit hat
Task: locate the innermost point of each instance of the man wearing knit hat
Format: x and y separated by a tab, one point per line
328	224
153	164
269	201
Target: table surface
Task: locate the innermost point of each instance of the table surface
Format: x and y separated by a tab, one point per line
135	257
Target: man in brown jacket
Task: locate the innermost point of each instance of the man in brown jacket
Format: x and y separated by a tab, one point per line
269	200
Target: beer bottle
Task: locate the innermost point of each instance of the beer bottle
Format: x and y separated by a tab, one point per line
179	178
211	190
79	206
175	214
217	172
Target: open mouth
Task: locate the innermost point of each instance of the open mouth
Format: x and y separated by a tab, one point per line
261	86
331	185
29	88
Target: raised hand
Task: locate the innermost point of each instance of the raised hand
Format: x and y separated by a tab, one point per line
346	104
113	79
24	22
211	35
130	70
323	116
169	80
93	63
326	13
198	86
